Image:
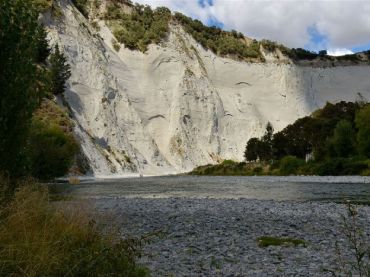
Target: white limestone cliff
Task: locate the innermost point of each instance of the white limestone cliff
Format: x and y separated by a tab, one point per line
178	106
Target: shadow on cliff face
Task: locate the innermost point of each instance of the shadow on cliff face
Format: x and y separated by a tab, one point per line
74	100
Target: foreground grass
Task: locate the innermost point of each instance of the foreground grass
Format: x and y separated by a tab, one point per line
276	241
39	239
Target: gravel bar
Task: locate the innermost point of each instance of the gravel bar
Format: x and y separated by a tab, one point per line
218	237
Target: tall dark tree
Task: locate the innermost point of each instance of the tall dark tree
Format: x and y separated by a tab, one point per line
252	150
20	87
267	137
363	135
43	45
59	70
266	152
343	140
260	148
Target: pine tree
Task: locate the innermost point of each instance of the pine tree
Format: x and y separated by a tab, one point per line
43	45
59	70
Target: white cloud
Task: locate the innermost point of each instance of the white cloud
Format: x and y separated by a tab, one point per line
345	23
339	52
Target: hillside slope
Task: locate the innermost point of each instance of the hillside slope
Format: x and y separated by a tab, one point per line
178	105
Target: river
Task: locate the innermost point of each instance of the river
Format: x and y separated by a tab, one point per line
298	188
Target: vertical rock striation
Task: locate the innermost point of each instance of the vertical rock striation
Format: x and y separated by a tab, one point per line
178	106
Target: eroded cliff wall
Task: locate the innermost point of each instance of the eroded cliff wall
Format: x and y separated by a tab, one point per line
178	106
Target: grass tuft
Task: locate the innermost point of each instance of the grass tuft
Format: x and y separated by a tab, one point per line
266	241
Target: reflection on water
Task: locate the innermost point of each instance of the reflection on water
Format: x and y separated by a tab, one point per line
276	188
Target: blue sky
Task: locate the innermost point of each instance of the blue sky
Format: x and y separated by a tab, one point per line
340	26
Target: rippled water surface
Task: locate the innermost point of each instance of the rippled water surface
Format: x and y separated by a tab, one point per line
276	188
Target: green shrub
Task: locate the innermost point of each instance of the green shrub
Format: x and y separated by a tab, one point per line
290	165
51	150
38	239
258	170
51	145
340	166
228	162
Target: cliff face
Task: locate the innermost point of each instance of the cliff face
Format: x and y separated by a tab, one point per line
179	106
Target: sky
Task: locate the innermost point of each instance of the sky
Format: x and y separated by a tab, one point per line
339	26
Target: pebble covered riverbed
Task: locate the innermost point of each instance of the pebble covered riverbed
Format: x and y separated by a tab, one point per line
218	237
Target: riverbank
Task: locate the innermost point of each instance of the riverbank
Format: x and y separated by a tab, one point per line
288	166
218	237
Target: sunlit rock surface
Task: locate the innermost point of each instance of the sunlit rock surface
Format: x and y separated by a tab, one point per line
179	106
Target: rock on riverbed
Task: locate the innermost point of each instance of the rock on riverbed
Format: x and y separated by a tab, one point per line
218	237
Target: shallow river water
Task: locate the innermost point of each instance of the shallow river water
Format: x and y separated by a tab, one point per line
262	188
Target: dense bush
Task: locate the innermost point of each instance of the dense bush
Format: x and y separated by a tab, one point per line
314	133
22	80
363	136
51	151
343	140
339	166
335	135
232	168
140	27
37	239
300	54
290	165
51	146
220	42
334	138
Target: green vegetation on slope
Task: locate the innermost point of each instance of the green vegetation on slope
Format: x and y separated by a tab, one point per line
140	27
137	26
220	42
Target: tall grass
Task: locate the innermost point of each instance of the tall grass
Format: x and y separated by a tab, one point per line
41	239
